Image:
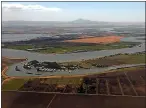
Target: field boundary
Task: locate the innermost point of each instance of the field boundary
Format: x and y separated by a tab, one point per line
79	94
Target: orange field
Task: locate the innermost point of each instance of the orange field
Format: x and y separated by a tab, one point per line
105	39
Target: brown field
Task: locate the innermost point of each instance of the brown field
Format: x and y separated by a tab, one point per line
25	100
129	83
14	99
125	89
80	101
104	40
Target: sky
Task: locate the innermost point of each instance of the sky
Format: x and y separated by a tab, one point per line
69	11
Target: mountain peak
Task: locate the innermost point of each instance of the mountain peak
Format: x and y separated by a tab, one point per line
80	20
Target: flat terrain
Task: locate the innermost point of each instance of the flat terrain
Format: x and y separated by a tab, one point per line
63	47
25	100
117	59
13	99
125	81
14	84
105	39
121	88
76	101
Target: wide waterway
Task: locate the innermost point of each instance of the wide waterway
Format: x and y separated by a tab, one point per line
67	57
71	56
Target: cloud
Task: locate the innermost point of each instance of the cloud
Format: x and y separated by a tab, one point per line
18	11
37	12
14	7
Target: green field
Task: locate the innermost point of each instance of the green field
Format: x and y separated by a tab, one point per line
111	60
70	48
13	84
128	69
20	47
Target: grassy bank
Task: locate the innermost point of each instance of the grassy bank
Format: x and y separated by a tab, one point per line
13	84
68	49
121	70
111	60
20	47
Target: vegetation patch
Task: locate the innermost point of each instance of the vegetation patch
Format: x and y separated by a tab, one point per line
106	61
14	84
72	49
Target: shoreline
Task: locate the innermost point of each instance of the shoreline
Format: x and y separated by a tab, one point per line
6	67
53	76
65	76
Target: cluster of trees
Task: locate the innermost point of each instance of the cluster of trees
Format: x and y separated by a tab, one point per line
37	64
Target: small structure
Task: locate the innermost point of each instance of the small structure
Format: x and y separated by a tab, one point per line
16	68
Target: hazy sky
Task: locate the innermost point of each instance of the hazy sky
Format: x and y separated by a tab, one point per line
68	11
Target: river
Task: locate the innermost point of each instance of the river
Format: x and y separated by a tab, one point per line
71	56
68	57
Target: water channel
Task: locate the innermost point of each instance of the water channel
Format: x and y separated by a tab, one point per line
69	57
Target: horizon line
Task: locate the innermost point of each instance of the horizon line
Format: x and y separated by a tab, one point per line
75	20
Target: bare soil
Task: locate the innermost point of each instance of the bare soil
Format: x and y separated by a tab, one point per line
25	100
115	83
104	40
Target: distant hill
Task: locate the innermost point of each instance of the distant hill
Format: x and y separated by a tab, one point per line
82	21
77	22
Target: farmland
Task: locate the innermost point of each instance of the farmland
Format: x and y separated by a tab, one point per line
106	39
117	59
127	81
125	86
63	47
14	84
14	99
54	58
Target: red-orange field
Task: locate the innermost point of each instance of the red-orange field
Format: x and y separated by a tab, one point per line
104	40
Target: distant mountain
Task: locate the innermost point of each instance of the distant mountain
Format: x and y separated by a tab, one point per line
76	23
83	21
